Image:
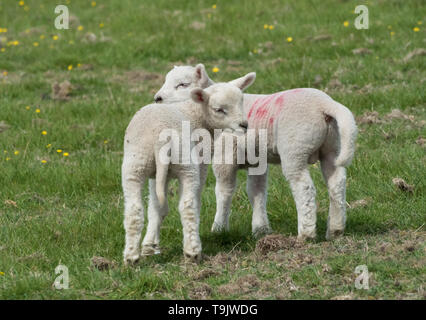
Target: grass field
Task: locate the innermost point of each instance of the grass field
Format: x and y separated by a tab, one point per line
61	149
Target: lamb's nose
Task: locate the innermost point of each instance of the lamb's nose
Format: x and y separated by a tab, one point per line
244	125
158	99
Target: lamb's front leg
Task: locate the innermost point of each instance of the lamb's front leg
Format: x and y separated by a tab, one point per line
156	215
257	193
226	181
189	209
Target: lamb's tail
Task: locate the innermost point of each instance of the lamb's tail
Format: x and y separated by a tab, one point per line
161	182
347	131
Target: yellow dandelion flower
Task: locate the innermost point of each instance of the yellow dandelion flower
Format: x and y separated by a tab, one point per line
42	36
346	24
1	273
55	37
28	107
16	152
7	158
106	141
101	25
215	69
70	67
265	26
214	6
416	29
44	132
4	151
80	28
49	145
43	161
59	150
66	154
21	3
38	110
15	43
5	73
289	39
93	3
35	44
3	49
271	27
78	65
392	33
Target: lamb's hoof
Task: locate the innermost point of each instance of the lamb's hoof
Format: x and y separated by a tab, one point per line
333	234
131	260
218	228
261	231
192	257
150	250
306	237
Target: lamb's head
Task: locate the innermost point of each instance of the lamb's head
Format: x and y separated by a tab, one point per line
222	103
180	81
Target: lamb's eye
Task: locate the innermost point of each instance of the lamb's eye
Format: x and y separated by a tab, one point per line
220	110
182	85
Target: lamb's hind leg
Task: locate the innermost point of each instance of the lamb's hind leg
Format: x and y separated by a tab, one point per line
335	178
156	215
133	215
296	171
257	193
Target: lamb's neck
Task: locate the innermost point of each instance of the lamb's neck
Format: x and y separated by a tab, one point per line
194	112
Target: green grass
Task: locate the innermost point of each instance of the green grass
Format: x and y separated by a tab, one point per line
70	208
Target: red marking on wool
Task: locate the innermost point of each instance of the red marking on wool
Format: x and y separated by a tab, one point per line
253	107
261	112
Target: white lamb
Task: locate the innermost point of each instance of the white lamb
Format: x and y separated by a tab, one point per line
219	106
303	125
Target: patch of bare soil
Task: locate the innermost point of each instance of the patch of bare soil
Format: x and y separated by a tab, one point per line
373	117
421	141
359	203
61	91
204	274
402	185
414	53
3	126
200	291
102	263
242	285
322	37
274	242
362	51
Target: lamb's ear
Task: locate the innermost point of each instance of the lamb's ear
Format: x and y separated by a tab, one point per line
199	96
244	82
201	75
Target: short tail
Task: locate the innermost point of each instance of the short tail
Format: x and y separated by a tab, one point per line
347	131
160	182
